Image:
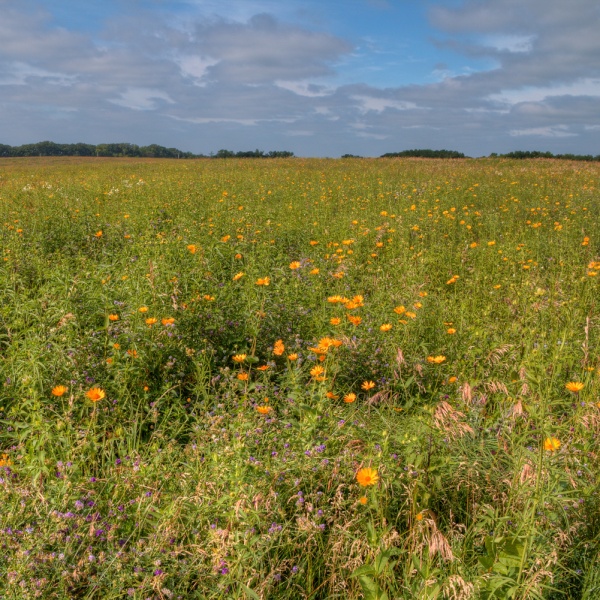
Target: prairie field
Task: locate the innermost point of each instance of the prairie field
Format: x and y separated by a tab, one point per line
299	379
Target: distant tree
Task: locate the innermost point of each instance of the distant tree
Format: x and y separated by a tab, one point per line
351	156
426	153
5	150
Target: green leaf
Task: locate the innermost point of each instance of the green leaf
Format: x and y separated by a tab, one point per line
250	593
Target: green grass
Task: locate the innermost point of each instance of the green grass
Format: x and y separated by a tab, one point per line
174	485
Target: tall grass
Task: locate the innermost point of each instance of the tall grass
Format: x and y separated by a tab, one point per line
424	319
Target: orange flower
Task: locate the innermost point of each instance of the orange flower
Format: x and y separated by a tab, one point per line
143	309
436	360
385	327
551	444
368	385
317	371
59	390
239	358
349	398
278	348
355	320
168	321
238	276
263	368
113	317
242	376
295	264
367	476
399	310
451	331
293	356
95	394
331	395
238	256
314	271
5	460
264	410
150	321
98	234
363	500
263	281
335	321
574	386
133	353
192	248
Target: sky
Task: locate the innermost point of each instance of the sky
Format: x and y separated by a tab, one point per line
315	77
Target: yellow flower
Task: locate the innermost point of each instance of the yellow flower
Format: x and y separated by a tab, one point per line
314	271
264	410
192	248
574	386
95	394
238	276
225	238
349	398
399	310
278	348
59	390
368	385
317	371
5	461
551	444
295	265
367	476
239	358
150	321
143	309
113	317
263	281
385	327
168	321
292	356
436	360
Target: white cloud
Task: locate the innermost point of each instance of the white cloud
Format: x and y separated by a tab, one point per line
581	87
142	99
556	131
369	103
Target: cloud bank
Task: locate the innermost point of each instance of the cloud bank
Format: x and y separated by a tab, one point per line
203	81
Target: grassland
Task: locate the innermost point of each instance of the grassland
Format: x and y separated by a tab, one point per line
299	379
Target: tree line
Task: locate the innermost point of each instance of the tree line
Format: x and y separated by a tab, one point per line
125	150
521	154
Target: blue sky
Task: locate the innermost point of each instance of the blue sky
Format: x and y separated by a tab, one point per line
317	77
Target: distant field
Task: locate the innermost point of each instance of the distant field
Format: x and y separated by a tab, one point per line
299	378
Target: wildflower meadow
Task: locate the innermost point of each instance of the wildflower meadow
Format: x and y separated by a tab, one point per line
299	379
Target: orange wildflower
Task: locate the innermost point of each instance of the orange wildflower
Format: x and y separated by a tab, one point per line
278	348
551	444
367	476
95	394
59	390
574	386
